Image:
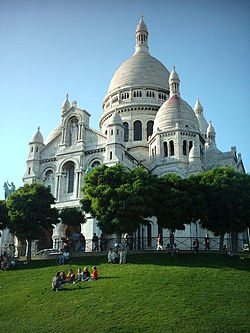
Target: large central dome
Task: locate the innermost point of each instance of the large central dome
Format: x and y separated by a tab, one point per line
141	70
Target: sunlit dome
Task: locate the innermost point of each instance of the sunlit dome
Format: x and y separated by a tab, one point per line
53	134
176	110
141	70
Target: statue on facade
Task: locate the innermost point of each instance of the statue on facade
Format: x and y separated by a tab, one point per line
8	189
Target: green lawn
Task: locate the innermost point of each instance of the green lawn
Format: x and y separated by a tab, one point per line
152	293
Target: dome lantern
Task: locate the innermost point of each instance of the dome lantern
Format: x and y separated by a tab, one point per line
141	37
198	107
211	134
174	83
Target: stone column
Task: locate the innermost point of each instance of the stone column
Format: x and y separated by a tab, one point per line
58	185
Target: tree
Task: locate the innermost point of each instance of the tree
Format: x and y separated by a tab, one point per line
30	212
72	216
172	204
4	217
118	198
228	201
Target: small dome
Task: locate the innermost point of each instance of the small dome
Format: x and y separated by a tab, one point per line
174	76
37	137
198	105
53	134
116	119
141	26
210	129
201	119
176	110
66	104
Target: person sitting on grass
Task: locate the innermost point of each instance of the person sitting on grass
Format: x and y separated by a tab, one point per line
70	276
86	274
94	275
79	275
63	277
112	257
57	282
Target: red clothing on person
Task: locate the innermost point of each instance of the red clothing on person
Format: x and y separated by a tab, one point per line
95	274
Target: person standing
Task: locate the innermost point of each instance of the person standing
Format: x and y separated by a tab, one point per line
82	242
206	243
196	245
95	242
159	242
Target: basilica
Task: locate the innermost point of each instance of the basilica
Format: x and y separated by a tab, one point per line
144	122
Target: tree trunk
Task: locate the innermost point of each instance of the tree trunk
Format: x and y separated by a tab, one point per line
171	237
119	237
29	251
234	238
221	242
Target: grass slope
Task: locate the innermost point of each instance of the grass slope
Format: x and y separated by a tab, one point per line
152	293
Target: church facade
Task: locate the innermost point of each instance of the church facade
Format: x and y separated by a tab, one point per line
144	122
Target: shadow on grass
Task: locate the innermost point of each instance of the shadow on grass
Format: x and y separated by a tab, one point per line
76	288
200	260
209	260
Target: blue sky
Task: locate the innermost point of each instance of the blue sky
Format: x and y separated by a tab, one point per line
49	48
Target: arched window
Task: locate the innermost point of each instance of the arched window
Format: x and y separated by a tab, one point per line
112	132
125	132
165	149
49	180
137	131
69	170
150	125
171	147
95	164
73	130
184	147
190	145
110	155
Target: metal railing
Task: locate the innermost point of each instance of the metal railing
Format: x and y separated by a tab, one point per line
134	244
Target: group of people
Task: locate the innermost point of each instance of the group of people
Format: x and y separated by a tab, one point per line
118	255
6	262
175	250
82	276
99	244
206	244
76	242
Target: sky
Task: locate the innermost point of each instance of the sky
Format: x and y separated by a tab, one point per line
51	48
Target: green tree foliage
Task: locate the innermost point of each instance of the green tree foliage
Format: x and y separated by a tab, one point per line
172	204
4	217
72	216
30	212
118	198
228	201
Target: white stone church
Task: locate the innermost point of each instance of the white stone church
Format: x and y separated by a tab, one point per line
144	122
